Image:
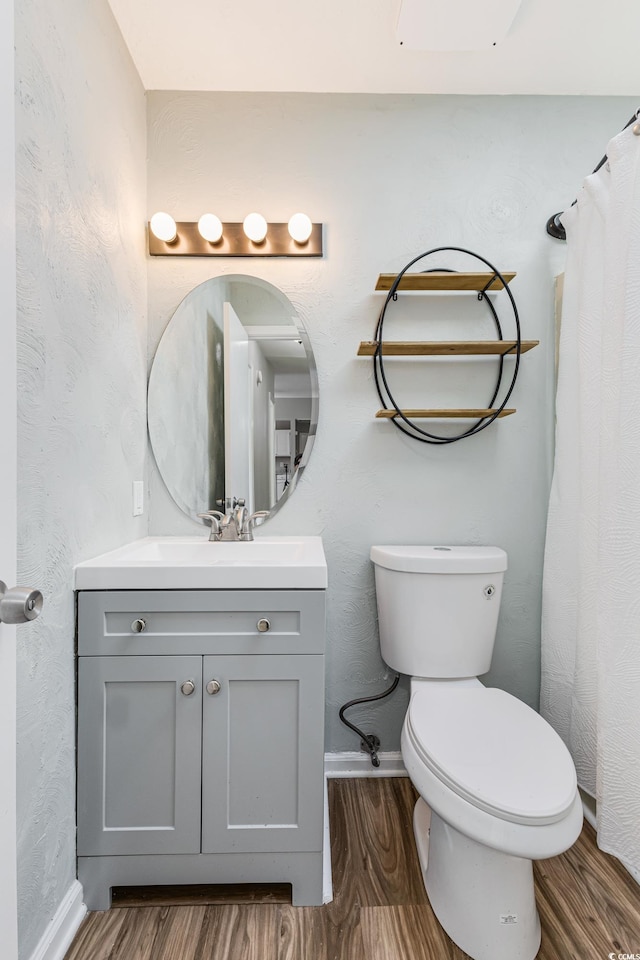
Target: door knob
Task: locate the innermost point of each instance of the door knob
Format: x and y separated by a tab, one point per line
213	687
20	604
188	687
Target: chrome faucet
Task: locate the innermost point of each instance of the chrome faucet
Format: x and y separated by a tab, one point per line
234	524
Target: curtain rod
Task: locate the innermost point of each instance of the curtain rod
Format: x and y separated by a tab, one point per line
554	226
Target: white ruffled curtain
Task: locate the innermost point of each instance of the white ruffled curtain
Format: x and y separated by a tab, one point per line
591	588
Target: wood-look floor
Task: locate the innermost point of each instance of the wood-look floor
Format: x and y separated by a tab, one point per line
589	906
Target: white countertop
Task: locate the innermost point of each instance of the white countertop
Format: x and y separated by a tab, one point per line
195	563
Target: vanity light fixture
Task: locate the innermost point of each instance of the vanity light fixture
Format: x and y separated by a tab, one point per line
210	227
255	227
254	237
163	226
300	227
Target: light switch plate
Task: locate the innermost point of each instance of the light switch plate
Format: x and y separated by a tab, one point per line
138	498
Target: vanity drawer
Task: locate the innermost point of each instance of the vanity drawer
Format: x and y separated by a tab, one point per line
166	622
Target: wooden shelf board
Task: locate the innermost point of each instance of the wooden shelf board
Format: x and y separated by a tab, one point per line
469	414
444	348
440	280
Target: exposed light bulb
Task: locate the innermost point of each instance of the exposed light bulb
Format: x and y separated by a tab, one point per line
210	227
300	227
255	227
163	226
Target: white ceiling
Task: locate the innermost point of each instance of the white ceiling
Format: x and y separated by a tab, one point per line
581	47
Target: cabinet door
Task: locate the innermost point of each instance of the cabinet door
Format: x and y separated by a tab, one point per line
263	754
139	752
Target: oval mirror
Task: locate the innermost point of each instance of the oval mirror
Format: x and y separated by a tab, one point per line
233	397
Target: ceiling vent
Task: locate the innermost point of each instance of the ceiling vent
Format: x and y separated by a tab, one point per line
454	24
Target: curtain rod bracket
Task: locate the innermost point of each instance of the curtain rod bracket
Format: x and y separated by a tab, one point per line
554	227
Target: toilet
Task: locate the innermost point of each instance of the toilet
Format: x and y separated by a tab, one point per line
497	785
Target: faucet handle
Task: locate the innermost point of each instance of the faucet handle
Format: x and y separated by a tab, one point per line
208	514
213	517
248	523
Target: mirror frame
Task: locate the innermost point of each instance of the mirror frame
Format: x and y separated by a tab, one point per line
313	377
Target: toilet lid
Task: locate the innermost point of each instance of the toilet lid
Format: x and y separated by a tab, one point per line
494	751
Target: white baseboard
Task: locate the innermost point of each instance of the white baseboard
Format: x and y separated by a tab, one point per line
358	764
589	810
632	870
63	927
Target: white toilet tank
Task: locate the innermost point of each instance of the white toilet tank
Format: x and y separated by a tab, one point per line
438	608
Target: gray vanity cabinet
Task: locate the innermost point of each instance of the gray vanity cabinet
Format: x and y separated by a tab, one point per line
256	760
139	755
200	739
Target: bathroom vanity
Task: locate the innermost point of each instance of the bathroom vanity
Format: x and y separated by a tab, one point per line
201	716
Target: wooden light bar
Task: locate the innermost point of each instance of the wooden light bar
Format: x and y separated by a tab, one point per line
235	243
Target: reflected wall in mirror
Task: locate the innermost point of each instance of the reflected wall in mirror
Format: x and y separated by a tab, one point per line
233	397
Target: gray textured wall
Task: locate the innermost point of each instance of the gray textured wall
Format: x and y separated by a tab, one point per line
82	365
391	176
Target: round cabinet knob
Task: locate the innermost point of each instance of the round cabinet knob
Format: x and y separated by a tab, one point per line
213	687
263	625
139	626
188	687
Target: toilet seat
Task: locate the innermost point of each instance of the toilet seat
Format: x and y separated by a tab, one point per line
493	751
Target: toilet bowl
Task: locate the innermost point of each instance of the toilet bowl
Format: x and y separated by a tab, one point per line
497	785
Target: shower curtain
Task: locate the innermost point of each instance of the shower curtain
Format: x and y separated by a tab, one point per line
591	585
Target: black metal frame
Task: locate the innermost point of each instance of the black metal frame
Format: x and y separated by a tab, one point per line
407	426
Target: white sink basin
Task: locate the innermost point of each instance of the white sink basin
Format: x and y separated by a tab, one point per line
183	563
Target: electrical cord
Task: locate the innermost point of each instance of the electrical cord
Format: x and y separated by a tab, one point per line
410	428
367	740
